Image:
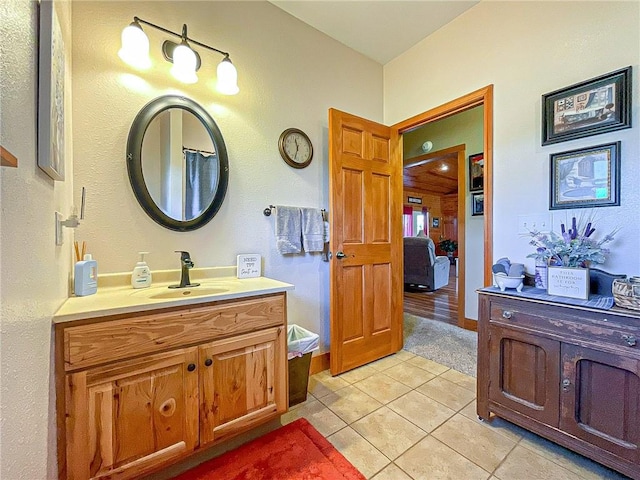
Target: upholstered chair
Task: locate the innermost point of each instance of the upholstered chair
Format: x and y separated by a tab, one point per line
422	268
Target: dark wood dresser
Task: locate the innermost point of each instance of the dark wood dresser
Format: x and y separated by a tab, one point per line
570	374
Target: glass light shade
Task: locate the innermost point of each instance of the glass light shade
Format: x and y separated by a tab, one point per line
135	46
184	64
227	77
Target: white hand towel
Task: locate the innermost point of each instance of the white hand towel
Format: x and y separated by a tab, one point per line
288	229
312	230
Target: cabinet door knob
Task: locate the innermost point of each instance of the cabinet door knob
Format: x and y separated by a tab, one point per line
630	339
565	384
208	362
507	314
191	367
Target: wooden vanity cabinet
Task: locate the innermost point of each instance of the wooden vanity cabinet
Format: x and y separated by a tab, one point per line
138	392
569	374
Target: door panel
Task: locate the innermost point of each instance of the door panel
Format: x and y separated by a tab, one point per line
365	171
524	373
601	399
353	186
380	195
351	308
131	415
239	383
381	299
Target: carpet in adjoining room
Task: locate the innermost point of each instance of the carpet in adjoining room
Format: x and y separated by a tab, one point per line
296	451
441	342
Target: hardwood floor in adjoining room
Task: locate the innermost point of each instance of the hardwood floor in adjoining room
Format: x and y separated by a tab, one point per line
441	305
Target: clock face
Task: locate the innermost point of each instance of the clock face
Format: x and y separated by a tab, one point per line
295	148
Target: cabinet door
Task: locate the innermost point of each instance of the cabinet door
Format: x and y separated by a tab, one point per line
601	399
128	417
243	383
524	373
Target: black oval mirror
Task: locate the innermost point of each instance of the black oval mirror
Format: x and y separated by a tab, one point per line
177	163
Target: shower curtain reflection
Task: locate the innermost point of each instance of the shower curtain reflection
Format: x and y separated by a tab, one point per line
202	172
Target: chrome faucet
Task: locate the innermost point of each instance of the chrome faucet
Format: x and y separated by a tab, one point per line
186	263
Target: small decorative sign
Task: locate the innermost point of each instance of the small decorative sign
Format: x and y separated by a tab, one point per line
417	200
568	282
249	265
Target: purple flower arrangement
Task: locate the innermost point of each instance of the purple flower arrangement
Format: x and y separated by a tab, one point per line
571	248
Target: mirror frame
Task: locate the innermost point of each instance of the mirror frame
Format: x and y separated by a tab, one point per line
134	161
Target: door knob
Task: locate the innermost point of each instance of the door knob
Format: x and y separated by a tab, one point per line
340	255
566	383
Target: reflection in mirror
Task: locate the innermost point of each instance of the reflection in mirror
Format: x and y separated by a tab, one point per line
179	164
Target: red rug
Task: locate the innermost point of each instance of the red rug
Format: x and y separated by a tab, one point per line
294	452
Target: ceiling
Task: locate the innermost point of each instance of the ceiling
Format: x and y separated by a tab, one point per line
380	30
436	174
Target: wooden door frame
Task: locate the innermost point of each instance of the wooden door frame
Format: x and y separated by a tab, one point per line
483	96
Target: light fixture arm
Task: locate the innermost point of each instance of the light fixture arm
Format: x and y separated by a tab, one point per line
182	36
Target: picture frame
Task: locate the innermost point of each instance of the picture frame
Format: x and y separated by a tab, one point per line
477	204
435	222
415	200
476	172
592	107
51	94
585	178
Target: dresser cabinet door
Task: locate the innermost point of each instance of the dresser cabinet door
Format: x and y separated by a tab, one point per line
128	417
524	373
243	382
601	399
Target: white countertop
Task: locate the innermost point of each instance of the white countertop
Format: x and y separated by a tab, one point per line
113	297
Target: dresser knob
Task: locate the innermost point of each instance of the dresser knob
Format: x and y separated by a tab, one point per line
507	314
191	367
630	339
208	362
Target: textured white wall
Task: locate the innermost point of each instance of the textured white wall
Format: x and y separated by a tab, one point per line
289	76
527	49
34	270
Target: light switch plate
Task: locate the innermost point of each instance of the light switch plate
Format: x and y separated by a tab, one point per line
535	222
59	236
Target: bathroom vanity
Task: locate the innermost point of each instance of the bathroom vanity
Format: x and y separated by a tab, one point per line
568	373
146	378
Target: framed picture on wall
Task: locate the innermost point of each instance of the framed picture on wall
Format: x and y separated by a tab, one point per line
588	177
51	93
477	204
598	105
476	172
435	222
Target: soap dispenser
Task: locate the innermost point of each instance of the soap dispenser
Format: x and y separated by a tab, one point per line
141	276
85	278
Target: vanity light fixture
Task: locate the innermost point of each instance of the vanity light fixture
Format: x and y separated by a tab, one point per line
186	61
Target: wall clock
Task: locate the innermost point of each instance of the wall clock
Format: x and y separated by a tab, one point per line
295	148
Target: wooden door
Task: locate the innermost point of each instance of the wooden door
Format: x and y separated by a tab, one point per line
128	417
601	399
243	381
524	373
365	188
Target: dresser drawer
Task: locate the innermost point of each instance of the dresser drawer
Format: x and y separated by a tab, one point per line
605	327
118	339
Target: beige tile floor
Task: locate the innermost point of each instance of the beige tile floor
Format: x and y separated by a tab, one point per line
405	417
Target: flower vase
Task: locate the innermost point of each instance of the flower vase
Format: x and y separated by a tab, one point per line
541	274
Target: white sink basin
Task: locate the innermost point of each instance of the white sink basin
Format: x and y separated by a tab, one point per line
187	292
210	287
